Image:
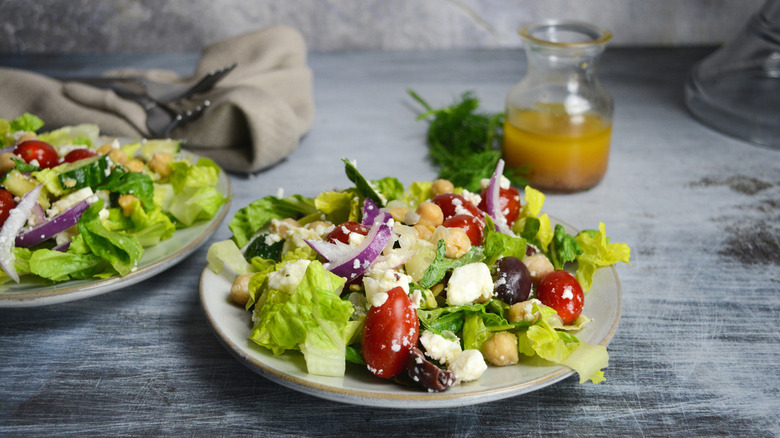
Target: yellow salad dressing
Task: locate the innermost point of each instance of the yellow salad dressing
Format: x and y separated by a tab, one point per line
561	152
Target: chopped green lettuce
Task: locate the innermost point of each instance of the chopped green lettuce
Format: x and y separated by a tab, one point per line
250	219
122	251
598	252
85	134
339	207
312	319
544	340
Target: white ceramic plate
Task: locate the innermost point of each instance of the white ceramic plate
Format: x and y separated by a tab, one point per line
232	325
39	292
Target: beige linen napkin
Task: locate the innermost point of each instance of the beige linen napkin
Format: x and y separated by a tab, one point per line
257	116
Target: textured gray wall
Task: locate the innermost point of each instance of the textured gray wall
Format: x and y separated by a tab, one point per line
137	26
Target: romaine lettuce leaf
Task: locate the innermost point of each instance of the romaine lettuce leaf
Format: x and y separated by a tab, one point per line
339	207
313	319
250	219
122	251
85	134
61	266
598	252
559	347
137	184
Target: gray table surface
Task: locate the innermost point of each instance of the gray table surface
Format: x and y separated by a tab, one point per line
698	345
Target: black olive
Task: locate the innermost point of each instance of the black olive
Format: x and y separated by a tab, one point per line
426	374
513	281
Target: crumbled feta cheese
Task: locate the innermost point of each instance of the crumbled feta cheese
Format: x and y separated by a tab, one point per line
69	201
468	365
439	348
66	236
270	239
567	293
474	198
289	276
469	283
378	282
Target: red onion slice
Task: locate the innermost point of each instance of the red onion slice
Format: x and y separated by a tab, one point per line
493	200
16	220
350	262
48	229
370	211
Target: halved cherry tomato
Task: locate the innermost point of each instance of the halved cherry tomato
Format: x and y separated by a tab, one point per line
6	204
38	150
389	334
343	231
79	154
472	225
452	204
509	199
561	291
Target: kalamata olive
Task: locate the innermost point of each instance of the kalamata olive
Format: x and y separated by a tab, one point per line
513	283
530	250
426	374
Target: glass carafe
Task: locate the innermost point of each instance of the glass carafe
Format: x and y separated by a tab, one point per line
559	117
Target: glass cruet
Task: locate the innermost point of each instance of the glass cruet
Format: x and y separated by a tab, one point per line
558	121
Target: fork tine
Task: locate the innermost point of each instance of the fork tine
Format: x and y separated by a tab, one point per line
206	83
184	118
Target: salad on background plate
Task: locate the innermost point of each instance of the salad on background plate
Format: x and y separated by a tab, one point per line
82	213
447	293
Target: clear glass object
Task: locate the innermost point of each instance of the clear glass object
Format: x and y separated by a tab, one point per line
736	89
558	122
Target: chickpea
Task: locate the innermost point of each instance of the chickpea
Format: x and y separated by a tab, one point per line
457	243
6	162
281	227
126	203
424	232
239	291
106	148
159	163
522	311
135	166
118	156
501	349
442	186
26	136
430	214
539	266
398	213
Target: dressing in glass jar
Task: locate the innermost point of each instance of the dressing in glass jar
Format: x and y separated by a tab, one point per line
558	121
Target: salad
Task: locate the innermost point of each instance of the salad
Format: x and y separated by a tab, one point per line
76	205
427	284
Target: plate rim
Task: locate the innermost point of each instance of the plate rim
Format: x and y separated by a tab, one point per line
414	399
67	293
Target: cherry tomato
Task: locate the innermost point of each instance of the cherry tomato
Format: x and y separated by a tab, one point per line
79	154
452	204
561	291
6	204
472	225
509	199
38	150
389	334
343	231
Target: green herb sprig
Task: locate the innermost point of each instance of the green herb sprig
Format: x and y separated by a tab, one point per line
465	143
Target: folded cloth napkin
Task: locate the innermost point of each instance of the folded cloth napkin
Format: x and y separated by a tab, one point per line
257	116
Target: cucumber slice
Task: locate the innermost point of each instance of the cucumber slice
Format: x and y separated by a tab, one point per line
89	172
18	184
151	147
